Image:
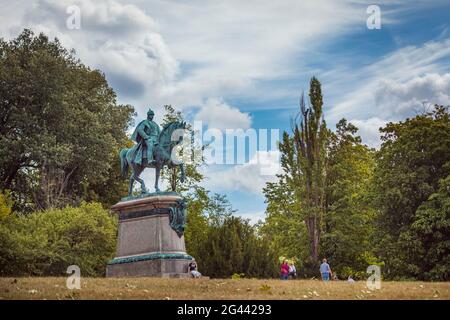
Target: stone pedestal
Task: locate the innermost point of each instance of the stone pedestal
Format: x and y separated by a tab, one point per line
150	238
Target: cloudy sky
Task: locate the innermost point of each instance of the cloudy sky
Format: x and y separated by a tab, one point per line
243	64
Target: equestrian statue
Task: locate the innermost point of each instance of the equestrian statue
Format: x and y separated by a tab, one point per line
153	149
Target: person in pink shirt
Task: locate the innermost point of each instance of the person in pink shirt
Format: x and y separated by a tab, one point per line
284	270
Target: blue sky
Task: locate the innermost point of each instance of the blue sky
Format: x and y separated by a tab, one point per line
243	64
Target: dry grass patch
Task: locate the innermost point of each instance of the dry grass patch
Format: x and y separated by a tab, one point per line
221	289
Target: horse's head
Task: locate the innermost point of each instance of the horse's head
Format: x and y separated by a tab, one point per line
172	134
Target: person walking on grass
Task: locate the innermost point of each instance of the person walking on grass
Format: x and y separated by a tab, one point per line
284	270
325	270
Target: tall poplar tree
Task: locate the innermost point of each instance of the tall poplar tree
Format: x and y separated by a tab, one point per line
309	145
303	156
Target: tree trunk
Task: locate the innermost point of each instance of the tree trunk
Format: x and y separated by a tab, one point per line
12	172
314	238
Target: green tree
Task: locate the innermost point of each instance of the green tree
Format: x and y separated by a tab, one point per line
303	160
348	223
321	203
205	212
196	222
60	125
428	239
284	228
309	142
413	158
233	247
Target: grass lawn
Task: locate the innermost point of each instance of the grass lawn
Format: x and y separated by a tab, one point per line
157	288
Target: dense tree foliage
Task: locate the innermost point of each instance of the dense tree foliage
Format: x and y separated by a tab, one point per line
47	242
348	222
428	240
60	126
233	247
386	207
411	174
347	215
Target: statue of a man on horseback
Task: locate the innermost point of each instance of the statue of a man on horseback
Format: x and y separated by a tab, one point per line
153	149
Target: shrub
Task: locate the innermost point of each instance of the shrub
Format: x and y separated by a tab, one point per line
47	242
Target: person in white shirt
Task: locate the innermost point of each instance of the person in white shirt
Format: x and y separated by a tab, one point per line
193	270
292	270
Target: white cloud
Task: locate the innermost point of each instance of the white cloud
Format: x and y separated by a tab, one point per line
407	97
369	130
227	48
219	115
179	53
155	52
121	40
254	217
250	177
398	100
385	88
390	89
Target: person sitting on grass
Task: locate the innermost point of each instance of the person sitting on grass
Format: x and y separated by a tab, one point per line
193	270
325	270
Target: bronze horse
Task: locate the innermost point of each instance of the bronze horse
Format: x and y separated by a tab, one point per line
162	154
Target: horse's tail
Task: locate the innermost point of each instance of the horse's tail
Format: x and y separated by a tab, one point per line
123	163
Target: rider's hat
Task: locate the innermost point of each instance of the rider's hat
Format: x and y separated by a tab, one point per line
150	112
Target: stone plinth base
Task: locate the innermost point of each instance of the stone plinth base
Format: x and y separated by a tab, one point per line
171	266
149	243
